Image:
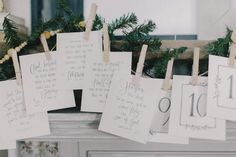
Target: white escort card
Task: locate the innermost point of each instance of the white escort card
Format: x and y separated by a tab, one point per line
6	139
130	108
188	116
13	112
159	131
98	76
221	89
74	49
41	92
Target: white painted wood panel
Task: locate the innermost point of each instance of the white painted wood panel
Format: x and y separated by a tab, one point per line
160	154
78	136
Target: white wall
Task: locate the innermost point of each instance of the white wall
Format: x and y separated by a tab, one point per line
171	16
213	16
207	18
20	8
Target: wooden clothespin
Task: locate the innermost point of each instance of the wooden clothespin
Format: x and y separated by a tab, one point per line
195	66
106	43
140	65
16	67
89	23
167	82
232	52
45	46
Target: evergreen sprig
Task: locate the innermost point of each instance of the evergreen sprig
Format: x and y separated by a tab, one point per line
98	22
134	36
140	35
53	24
220	47
10	30
123	23
161	63
64	7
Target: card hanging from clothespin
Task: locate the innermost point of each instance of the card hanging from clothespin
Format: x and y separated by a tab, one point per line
16	67
45	46
140	65
106	43
89	22
167	81
232	49
195	66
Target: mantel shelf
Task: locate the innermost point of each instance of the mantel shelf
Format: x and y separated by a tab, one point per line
84	127
77	135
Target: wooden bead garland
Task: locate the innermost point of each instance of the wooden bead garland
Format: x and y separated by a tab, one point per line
9	52
48	34
6	57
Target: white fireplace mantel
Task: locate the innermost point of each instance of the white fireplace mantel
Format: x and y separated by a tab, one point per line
77	136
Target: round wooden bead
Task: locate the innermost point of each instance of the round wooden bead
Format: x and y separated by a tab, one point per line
18	49
82	24
47	34
20	46
57	31
23	44
52	33
10	51
6	57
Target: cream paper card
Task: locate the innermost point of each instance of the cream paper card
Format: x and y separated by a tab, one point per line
188	116
159	131
12	106
98	76
41	92
73	49
6	139
221	89
129	109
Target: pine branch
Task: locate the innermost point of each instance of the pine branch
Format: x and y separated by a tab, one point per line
10	30
220	47
139	35
64	8
143	29
161	64
55	23
124	22
98	22
154	45
72	24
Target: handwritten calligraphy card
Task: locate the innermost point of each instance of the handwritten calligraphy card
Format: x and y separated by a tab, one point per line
41	91
188	116
129	109
98	76
159	131
74	49
13	111
6	139
221	89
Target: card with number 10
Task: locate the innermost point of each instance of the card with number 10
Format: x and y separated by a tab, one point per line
188	116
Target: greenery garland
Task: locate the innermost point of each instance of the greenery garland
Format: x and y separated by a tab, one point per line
220	47
134	36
